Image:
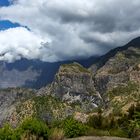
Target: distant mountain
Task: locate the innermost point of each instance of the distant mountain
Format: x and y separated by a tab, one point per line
36	74
33	73
103	59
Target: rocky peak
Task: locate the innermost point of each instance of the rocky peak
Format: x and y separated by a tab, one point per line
74	83
73	68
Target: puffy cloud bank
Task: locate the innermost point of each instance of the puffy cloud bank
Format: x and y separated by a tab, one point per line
17	43
67	29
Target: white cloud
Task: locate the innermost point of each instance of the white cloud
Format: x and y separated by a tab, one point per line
19	42
74	28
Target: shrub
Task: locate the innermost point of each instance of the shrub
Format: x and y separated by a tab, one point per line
73	128
34	127
56	134
95	121
29	137
57	124
6	132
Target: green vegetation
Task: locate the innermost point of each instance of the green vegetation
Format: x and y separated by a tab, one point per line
35	127
29	129
131	121
119	64
73	128
7	133
73	67
107	126
127	125
123	60
120	57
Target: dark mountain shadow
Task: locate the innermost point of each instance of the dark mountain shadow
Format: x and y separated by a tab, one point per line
103	59
46	71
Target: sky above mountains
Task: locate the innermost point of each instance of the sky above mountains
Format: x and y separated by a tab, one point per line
55	30
4	3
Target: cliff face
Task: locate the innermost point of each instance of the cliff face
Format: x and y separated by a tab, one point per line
74	83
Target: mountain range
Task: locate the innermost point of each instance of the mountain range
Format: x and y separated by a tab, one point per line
111	82
36	74
33	73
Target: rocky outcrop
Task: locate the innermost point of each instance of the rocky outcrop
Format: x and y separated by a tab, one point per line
74	83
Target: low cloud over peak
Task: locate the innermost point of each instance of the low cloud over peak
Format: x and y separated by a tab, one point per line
67	29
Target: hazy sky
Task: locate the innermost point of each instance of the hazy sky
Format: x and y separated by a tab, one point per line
54	30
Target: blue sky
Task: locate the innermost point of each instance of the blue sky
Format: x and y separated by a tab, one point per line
5	24
4	3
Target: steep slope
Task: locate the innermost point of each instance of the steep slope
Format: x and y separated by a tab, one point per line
117	77
103	59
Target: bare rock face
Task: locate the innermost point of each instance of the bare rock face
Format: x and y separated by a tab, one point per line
74	83
104	83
